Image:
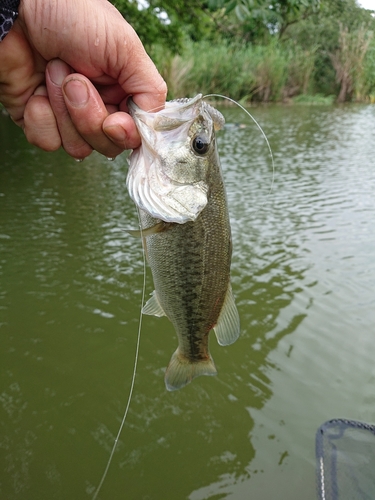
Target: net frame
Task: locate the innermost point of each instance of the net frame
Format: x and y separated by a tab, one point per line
338	476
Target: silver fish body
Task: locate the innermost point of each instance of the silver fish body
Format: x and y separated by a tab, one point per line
186	230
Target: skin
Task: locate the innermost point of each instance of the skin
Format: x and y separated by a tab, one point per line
67	68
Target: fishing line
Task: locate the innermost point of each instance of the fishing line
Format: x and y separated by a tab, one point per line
259	127
143	298
134	372
158	108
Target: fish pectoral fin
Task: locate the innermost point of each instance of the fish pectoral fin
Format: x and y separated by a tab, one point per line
135	232
181	370
227	328
148	231
153	307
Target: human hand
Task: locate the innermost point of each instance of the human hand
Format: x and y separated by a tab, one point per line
84	110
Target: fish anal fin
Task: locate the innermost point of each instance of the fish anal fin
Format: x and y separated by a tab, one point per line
227	328
153	307
181	370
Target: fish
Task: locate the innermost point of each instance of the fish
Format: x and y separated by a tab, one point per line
175	180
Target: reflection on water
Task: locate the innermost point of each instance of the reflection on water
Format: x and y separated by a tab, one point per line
70	291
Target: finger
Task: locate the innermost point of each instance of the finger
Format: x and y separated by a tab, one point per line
88	112
121	129
21	72
111	93
40	126
73	143
151	98
140	78
119	126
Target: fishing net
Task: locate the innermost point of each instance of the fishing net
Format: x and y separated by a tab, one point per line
345	454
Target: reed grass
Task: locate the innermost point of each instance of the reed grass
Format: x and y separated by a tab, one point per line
256	73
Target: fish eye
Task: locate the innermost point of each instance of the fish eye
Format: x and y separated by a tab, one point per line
200	144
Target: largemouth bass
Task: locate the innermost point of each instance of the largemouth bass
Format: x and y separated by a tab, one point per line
175	180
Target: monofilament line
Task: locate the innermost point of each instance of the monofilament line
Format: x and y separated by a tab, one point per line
133	377
259	127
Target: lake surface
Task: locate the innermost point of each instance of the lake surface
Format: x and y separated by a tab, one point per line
70	296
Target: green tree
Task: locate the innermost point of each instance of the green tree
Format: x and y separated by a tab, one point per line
261	17
166	22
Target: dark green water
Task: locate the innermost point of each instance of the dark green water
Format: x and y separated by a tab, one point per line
70	292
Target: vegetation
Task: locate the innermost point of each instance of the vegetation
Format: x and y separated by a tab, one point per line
260	50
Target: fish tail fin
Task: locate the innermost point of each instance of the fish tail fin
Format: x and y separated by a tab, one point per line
181	370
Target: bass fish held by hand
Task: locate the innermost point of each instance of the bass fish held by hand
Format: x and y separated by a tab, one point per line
175	180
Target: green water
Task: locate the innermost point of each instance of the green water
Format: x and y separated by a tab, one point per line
70	292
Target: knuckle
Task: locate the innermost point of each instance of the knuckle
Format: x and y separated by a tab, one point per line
162	89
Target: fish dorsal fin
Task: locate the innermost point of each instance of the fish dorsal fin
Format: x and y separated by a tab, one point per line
227	328
153	307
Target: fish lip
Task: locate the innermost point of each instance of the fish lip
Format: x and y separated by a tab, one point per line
132	107
183	104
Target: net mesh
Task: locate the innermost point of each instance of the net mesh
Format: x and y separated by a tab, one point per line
345	454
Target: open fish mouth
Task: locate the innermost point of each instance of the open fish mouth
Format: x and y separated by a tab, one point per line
166	178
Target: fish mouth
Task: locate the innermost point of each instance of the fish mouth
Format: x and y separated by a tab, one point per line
173	116
153	182
182	105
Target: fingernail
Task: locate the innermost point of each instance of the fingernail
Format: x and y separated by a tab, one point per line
76	92
57	71
116	133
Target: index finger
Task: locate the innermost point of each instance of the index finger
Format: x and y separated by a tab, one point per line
148	89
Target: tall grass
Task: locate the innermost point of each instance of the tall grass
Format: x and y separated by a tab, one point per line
365	85
208	68
260	73
246	73
349	61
